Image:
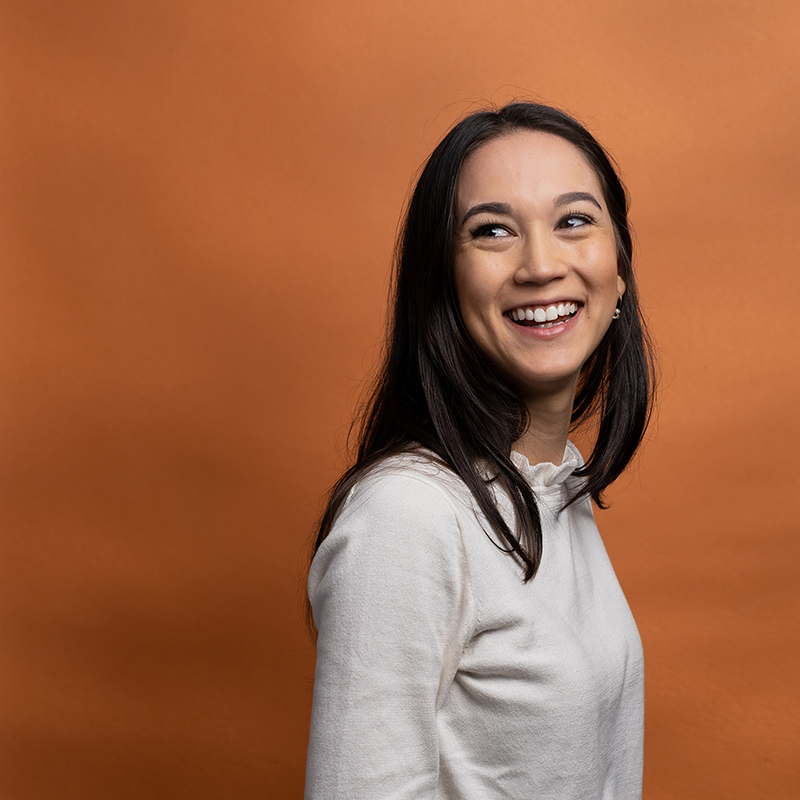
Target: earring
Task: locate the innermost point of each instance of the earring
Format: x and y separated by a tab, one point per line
618	309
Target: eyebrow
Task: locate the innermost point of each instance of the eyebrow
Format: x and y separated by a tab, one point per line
504	208
487	208
573	197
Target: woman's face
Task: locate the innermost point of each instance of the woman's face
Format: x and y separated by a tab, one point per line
535	260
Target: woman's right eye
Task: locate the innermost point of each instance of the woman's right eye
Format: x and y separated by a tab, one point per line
489	230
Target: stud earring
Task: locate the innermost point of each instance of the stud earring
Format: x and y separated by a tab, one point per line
618	309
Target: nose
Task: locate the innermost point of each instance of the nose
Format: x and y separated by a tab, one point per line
541	260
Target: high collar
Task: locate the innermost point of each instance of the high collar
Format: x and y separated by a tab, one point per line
547	475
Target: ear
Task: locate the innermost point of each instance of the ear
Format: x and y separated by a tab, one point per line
620	285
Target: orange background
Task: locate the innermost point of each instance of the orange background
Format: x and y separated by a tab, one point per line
199	203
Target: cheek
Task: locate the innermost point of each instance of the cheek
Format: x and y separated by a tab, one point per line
609	280
473	303
470	290
462	293
471	316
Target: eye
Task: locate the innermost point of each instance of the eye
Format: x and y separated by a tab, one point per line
489	230
575	220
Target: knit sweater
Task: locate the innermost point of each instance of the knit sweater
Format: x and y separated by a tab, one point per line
442	674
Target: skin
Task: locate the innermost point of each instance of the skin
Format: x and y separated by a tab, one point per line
547	239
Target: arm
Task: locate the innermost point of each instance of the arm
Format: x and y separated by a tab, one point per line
389	592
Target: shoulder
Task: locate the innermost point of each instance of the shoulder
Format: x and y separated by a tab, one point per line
414	480
407	509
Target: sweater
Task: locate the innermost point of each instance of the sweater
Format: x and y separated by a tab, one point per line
441	674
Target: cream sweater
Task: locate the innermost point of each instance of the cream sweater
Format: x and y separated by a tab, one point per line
440	674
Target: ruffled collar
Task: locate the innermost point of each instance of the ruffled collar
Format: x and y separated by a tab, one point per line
547	475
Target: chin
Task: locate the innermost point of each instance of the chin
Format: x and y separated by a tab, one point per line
548	383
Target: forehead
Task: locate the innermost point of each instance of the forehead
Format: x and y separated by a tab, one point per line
529	165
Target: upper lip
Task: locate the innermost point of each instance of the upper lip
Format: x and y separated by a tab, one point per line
543	303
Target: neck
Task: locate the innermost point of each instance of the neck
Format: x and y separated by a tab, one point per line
548	429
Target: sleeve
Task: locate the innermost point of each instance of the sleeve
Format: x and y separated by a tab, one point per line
389	593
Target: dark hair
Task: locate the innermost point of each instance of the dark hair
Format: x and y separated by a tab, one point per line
435	389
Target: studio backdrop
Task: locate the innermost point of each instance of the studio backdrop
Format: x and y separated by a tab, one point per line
199	202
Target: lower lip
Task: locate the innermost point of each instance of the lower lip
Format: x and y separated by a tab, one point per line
545	333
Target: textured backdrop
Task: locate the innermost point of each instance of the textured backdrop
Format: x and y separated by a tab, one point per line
198	206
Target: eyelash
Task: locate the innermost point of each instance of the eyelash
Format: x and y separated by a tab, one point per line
478	230
582	216
484	227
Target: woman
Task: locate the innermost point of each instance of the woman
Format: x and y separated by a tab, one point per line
473	640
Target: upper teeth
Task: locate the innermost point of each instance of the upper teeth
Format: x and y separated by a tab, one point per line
544	313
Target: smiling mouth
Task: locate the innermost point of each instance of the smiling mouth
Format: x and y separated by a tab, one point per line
543	316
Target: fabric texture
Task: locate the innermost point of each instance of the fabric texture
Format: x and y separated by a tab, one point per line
441	674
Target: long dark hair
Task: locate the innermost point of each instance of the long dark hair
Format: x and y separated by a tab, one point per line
435	389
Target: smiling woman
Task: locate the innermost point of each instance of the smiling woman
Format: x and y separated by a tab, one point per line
536	272
473	641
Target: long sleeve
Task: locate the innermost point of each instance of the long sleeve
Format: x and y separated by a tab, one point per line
390	594
441	673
